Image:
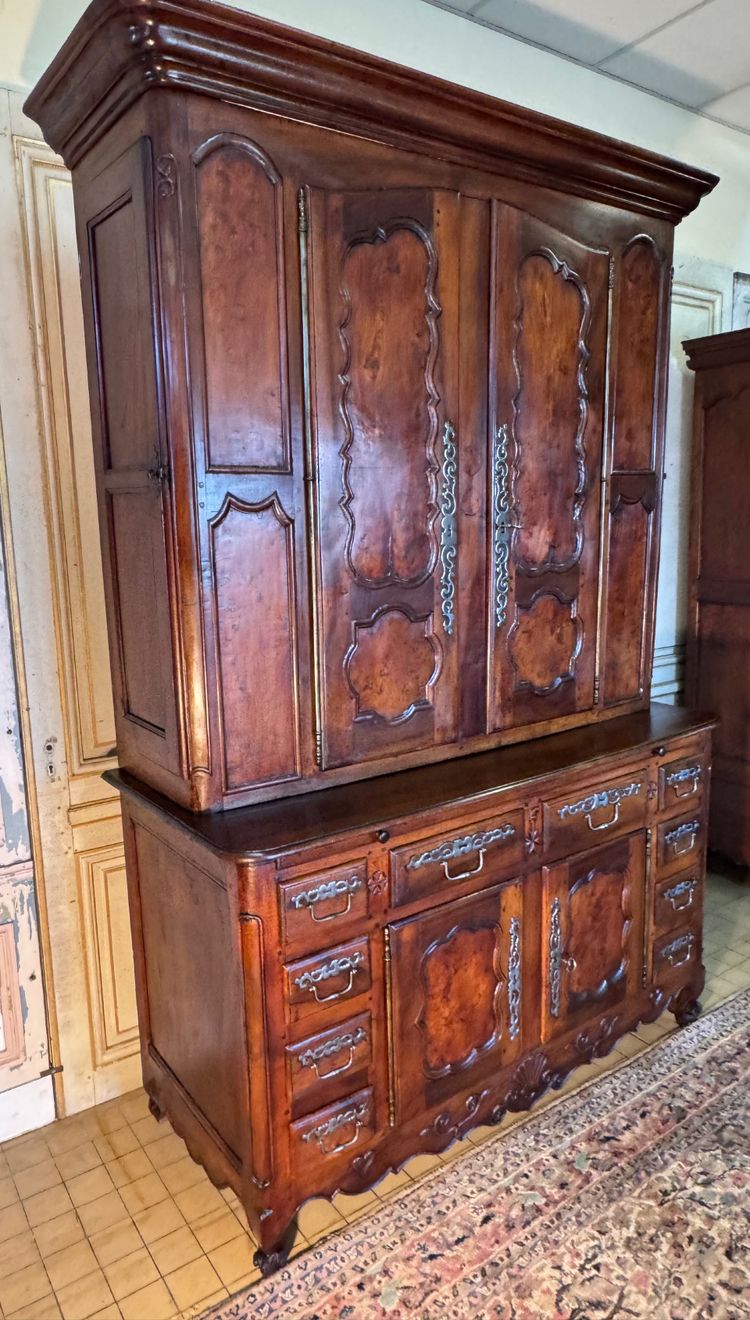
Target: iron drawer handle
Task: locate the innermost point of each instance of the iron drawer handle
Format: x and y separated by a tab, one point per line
357	1116
337	994
686	887
683	945
313	1058
309	980
692	776
689	832
607	824
464	875
321	893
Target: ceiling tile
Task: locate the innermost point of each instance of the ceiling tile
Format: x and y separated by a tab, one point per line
585	30
734	108
693	60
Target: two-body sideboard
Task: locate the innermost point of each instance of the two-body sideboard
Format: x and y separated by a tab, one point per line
378	376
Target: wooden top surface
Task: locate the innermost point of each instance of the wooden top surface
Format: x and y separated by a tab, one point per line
120	49
269	828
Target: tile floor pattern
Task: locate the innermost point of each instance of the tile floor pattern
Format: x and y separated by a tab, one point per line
104	1216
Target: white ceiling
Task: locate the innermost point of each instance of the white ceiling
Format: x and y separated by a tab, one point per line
693	52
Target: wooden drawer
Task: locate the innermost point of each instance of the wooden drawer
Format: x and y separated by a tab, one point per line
676	900
674	953
334	1132
328	979
679	843
488	849
577	820
314	909
682	783
325	1066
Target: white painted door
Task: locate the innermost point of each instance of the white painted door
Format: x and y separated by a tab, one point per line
63	637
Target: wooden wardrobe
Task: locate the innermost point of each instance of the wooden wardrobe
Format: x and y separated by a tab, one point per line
718	642
378	373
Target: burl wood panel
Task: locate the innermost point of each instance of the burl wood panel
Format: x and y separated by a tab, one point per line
639	299
629	546
456	996
253	573
593	933
240	225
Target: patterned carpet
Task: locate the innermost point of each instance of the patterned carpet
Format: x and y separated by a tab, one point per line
629	1199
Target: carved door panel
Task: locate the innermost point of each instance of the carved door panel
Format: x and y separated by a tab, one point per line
383	357
548	356
592	934
457	996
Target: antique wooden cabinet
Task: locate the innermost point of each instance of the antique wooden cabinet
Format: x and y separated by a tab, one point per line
718	615
377	368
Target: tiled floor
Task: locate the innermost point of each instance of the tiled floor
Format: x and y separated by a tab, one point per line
105	1215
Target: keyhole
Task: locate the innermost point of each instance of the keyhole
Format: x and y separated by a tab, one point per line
49	752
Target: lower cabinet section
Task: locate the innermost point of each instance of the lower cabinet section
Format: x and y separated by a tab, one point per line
328	987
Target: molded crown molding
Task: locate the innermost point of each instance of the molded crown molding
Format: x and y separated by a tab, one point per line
718	350
120	49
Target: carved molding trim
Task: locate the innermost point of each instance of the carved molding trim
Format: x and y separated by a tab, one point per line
359	627
475	1051
444	1125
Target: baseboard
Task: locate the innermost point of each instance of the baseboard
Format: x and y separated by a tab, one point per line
26	1107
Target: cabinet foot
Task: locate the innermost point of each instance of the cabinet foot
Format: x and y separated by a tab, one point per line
155	1110
268	1262
688	1012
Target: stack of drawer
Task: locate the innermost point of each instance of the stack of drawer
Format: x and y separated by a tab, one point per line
679	862
331	1019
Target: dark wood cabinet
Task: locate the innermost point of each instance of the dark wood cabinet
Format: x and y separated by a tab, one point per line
377	368
718	643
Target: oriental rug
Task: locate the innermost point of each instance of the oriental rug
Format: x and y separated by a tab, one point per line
630	1198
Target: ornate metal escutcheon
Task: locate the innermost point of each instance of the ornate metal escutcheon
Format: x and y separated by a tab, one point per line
501	525
555	958
448	534
514	979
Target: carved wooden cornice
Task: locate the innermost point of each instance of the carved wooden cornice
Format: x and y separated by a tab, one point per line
718	350
120	49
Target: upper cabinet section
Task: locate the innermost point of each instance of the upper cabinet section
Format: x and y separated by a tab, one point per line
377	374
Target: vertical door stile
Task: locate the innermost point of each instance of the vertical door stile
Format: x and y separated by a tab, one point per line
303	231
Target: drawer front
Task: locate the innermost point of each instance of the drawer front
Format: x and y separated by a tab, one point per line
315	908
329	979
325	1066
334	1134
485	850
677	900
577	820
682	783
680	843
674	953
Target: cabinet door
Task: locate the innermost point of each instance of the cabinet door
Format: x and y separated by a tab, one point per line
384	361
548	355
457	996
592	934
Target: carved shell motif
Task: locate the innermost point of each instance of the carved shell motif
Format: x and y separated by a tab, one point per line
532	1077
